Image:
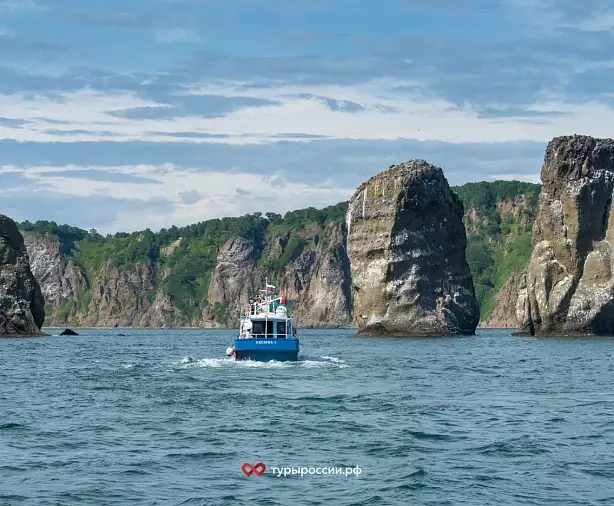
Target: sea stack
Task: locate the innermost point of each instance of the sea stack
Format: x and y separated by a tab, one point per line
406	244
568	286
22	307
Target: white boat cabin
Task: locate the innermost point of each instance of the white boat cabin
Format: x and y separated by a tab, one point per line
267	318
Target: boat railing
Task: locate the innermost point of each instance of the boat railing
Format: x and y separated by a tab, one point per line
263	327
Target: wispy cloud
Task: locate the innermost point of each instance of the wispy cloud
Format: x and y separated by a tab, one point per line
552	15
596	22
218	192
380	112
21	5
171	35
133	19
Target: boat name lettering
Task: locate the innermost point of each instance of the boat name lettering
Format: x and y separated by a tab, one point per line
265	342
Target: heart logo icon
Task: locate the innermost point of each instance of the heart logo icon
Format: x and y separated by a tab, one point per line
258	469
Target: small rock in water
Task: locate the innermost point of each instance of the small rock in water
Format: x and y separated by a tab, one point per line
69	332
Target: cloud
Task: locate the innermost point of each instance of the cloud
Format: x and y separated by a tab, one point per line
170	35
20	5
596	22
331	103
588	15
190	197
80	133
283	99
18	50
338	163
214	112
205	106
11	122
99	175
531	178
140	20
168	194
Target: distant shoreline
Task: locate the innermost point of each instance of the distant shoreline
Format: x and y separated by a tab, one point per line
184	328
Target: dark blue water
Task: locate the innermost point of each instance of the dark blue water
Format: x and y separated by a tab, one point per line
491	419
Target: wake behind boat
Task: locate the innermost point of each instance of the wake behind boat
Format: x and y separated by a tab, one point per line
266	332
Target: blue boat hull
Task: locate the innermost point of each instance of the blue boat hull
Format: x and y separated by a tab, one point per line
265	350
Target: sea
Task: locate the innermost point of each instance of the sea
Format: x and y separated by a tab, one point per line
161	417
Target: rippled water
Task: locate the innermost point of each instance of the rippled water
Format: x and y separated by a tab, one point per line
158	417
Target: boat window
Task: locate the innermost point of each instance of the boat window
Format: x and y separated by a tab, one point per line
281	329
258	327
269	328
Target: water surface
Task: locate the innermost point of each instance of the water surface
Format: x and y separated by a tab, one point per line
161	418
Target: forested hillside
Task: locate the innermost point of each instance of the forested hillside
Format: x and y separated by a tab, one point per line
169	278
173	268
498	217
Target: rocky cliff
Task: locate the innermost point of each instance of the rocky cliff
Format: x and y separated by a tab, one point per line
568	286
503	315
58	277
406	244
22	310
200	274
200	280
316	280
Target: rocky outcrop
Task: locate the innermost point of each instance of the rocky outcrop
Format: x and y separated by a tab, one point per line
406	244
22	306
315	278
568	287
316	282
235	280
162	313
504	312
58	277
119	297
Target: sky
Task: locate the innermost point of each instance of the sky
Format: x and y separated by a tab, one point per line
133	114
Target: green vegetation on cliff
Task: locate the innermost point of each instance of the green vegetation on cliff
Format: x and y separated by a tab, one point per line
182	258
498	218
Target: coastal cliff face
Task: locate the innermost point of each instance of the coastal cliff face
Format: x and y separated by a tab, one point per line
22	307
504	314
57	276
198	280
119	297
406	244
200	275
568	286
316	281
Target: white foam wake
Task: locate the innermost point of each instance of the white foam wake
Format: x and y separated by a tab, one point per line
190	362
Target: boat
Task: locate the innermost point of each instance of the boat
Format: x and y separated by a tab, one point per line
266	332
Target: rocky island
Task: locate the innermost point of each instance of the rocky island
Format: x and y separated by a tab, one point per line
406	245
22	307
568	286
